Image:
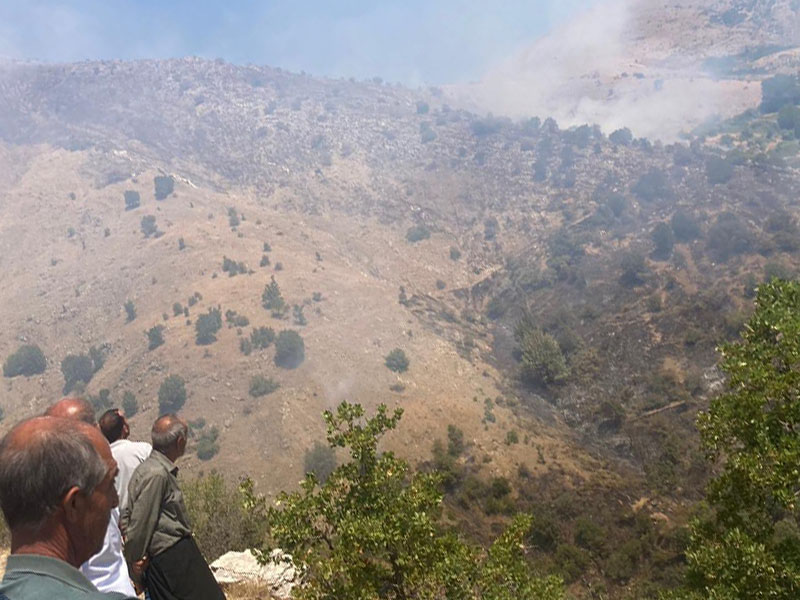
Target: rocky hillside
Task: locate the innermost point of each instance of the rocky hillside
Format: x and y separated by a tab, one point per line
657	68
558	293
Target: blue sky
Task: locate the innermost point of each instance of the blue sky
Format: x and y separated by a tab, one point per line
415	42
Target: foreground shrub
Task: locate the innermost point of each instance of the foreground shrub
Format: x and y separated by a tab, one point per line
373	529
27	360
220	521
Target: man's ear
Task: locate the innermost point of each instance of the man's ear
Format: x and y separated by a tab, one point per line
72	503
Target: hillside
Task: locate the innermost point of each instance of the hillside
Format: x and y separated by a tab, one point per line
659	69
391	220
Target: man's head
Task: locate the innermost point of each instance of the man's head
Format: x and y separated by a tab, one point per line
114	425
170	434
72	408
57	487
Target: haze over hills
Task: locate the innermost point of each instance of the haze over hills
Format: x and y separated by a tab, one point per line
659	69
559	292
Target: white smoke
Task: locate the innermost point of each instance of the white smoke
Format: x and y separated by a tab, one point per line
621	63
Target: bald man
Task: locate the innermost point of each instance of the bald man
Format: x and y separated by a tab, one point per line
77	409
157	524
56	493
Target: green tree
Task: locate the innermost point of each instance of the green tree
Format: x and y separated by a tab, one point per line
261	386
171	394
155	337
685	226
207	325
131	199
262	337
27	360
164	185
652	186
372	530
541	356
397	361
417	233
320	460
289	349
77	369
750	546
664	240
718	170
148	225
272	300
130	310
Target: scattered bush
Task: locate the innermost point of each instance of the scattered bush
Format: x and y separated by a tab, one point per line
130	310
621	137
262	337
220	521
207	446
418	233
728	236
634	268
130	406
652	186
171	394
261	386
245	346
321	461
778	91
541	358
397	361
207	325
164	185
27	360
664	240
289	349
718	170
272	300
177	309
685	226
132	199
155	337
77	369
148	226
233	268
455	253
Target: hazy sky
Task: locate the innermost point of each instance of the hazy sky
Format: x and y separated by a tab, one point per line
412	41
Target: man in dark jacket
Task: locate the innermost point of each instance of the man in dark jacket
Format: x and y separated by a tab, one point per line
157	526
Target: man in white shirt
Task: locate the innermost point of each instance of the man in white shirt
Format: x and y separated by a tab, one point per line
107	569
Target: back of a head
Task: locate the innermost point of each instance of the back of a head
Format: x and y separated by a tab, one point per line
112	424
77	409
167	430
41	459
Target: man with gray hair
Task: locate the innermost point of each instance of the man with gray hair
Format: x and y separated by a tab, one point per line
156	523
56	494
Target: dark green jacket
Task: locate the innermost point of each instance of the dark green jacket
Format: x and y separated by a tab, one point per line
155	517
33	577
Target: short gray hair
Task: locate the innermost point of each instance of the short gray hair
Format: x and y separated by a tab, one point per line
163	440
35	476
